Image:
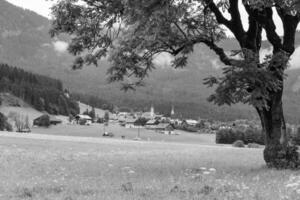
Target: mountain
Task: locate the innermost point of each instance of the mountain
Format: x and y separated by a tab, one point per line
25	42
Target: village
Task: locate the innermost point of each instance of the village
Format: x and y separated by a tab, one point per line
150	121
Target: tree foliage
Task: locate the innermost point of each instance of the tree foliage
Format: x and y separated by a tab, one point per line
132	33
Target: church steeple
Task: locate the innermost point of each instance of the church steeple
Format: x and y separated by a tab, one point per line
152	111
172	110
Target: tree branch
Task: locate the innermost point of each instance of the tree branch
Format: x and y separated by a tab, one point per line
219	16
180	29
220	52
238	28
265	18
290	24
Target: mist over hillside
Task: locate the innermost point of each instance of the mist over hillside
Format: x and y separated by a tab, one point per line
25	42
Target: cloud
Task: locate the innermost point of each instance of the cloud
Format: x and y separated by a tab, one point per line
46	45
60	46
215	64
294	61
265	52
163	60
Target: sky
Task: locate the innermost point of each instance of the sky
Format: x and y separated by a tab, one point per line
41	7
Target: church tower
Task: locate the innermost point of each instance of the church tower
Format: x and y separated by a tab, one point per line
152	114
172	111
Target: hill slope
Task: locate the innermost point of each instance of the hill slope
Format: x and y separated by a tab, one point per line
43	93
24	41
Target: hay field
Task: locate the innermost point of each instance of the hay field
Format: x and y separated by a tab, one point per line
111	169
96	130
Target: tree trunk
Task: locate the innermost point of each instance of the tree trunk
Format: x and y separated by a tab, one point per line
277	153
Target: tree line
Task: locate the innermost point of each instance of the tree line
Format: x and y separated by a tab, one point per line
93	101
42	92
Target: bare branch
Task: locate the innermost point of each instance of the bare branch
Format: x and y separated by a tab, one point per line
180	29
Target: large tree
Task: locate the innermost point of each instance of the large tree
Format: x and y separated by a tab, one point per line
131	33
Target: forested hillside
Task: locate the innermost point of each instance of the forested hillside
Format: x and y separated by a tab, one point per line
93	101
43	93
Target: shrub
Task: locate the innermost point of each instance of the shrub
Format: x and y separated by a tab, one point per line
108	134
190	129
296	137
230	135
253	145
254	135
238	143
4	125
140	121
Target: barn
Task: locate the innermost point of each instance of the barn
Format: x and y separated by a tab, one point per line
165	128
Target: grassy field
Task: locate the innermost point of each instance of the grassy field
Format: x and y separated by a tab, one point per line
133	170
96	130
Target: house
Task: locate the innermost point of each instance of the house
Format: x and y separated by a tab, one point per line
129	123
148	115
122	115
46	120
83	119
165	128
122	119
190	122
54	120
151	124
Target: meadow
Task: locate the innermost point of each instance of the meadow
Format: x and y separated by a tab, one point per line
112	169
96	130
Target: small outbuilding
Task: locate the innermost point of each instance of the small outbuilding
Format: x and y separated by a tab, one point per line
190	122
165	128
151	124
83	119
130	123
46	120
54	120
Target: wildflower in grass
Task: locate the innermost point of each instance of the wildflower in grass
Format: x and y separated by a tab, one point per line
212	169
206	172
292	185
244	186
256	178
126	168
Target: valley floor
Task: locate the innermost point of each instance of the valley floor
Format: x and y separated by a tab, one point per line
96	131
39	167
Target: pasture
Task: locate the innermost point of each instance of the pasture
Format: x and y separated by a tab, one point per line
96	130
110	169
